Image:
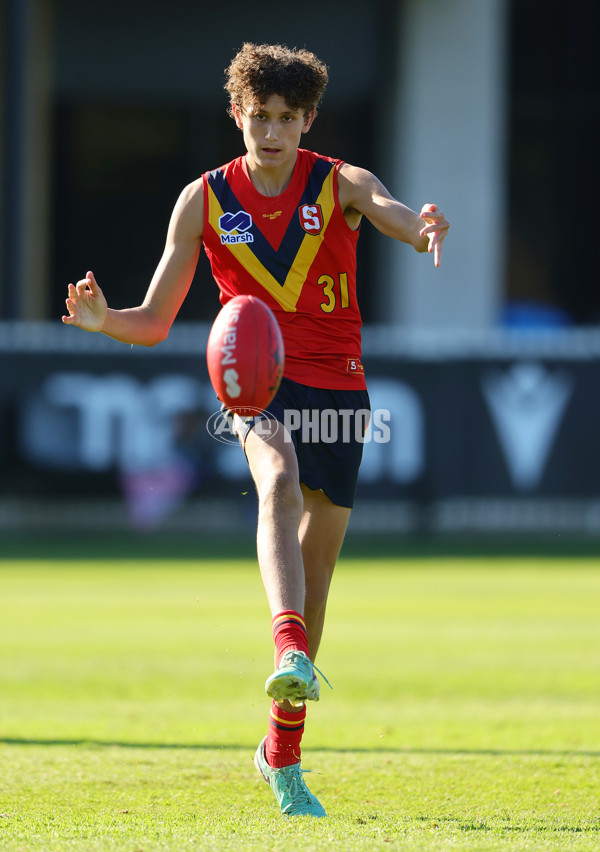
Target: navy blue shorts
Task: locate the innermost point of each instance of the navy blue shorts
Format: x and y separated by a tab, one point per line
327	429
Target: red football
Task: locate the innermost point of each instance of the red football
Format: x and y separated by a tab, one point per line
245	355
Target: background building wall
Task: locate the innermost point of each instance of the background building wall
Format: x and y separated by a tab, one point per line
139	110
490	108
450	149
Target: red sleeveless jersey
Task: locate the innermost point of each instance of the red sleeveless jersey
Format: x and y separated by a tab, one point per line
297	253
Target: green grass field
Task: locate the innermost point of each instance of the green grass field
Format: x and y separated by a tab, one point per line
465	711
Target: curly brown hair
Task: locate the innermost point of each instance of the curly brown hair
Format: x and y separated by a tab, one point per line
258	71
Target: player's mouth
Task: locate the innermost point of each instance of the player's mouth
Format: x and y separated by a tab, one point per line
271	150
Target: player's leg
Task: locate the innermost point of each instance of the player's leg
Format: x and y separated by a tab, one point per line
273	464
274	468
329	473
319	533
277	759
322	530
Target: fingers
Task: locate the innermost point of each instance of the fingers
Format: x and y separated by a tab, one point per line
435	246
86	285
72	301
70	319
92	283
436	222
431	214
82	286
435	230
86	305
430	229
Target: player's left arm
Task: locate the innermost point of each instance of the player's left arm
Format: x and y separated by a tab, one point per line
362	194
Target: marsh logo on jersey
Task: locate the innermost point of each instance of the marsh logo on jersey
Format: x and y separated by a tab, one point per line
311	218
240	222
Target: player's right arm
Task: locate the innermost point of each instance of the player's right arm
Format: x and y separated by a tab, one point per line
150	322
362	194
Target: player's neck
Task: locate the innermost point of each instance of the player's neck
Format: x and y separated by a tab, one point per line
270	181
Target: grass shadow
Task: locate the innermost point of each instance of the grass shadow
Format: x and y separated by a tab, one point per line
483	752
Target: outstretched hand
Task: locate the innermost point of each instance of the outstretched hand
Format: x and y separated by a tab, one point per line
435	230
86	305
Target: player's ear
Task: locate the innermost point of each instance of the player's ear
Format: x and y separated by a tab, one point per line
237	115
308	120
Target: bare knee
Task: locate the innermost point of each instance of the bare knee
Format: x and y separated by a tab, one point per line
279	494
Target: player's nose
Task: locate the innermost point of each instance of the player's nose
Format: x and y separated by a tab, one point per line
271	133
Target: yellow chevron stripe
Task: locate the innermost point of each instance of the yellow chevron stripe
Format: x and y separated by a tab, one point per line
288	295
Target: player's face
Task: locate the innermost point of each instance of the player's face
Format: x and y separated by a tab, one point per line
272	131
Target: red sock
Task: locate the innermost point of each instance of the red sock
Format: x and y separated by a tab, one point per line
282	747
289	633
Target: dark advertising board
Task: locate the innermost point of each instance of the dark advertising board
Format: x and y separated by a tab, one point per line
494	434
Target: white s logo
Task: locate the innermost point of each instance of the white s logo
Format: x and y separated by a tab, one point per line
231	381
311	218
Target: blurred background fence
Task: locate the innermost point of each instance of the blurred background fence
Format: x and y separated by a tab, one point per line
471	433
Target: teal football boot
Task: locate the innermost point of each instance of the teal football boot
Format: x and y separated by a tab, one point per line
294	680
293	796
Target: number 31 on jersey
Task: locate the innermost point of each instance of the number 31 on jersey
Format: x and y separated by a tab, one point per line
334	292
